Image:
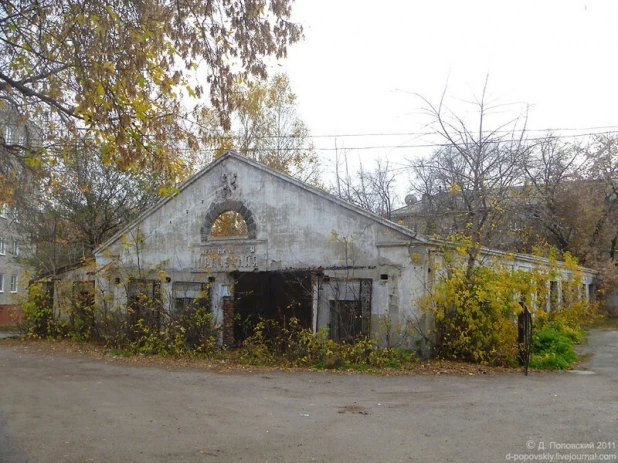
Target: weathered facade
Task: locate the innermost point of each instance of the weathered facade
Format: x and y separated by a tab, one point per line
302	253
14	137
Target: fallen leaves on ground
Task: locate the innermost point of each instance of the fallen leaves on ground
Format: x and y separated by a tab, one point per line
221	365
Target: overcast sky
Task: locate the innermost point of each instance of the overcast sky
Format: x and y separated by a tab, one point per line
363	62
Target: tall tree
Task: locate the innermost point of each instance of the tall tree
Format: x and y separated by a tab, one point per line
478	167
599	200
373	190
118	70
551	175
266	127
82	202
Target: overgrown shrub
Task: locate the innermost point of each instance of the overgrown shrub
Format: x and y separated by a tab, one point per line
474	315
150	330
38	313
81	324
475	310
144	327
291	345
558	332
576	315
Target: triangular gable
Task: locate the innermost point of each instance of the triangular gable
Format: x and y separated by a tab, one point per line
286	178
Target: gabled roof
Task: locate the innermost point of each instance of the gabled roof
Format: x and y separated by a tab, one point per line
287	178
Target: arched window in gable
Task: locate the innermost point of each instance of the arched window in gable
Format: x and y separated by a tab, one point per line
229	224
228	219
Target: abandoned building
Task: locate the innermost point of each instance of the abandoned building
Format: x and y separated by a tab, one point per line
250	242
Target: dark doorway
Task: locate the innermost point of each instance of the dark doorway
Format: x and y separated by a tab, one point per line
82	317
270	295
350	319
346	320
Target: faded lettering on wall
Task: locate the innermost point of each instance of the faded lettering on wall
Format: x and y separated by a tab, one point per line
229	257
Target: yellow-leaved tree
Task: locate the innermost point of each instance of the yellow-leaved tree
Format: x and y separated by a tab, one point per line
266	127
120	72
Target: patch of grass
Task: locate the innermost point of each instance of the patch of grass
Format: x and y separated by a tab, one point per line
360	367
606	322
118	353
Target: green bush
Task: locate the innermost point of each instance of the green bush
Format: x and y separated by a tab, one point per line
552	346
144	328
82	326
188	332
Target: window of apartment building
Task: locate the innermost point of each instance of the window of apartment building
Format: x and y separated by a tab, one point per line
2	246
1	283
13	283
515	225
15	248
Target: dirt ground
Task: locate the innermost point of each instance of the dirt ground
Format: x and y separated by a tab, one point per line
76	408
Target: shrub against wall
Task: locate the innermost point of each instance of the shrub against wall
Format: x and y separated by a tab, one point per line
146	326
38	312
475	311
288	344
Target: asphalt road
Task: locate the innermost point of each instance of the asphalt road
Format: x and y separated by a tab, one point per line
75	409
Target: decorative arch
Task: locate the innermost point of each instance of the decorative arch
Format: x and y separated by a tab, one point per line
216	209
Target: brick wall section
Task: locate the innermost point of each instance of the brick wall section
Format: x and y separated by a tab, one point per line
9	315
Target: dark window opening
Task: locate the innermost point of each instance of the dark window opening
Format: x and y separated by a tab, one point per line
351	319
83	293
190	297
144	306
346	320
553	295
271	296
